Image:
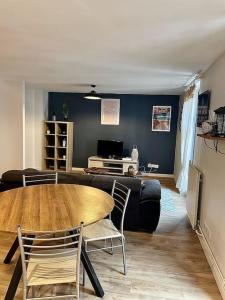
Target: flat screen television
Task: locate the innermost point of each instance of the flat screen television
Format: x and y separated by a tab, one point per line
110	149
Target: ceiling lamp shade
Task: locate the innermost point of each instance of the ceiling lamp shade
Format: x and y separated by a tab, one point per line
92	95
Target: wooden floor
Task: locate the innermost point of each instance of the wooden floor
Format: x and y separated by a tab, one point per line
169	264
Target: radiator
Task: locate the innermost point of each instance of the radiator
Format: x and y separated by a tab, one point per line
192	202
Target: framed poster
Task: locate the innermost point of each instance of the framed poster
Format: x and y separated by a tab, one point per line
110	111
161	118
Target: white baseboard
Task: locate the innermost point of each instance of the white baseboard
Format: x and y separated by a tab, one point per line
157	175
213	265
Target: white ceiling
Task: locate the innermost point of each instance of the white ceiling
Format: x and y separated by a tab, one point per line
122	46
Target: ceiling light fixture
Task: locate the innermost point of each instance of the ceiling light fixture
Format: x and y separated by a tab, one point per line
93	95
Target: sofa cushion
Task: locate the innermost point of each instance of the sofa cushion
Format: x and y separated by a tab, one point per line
151	189
72	178
16	175
105	182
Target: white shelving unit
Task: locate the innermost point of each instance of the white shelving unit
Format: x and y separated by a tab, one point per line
57	156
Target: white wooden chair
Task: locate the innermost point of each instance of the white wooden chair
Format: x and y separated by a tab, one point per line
104	230
40	179
50	261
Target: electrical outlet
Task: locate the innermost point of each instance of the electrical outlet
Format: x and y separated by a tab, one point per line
153	166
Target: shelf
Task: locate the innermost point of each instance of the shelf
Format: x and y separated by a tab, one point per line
61	147
52	158
114	161
50	146
62	135
49	169
61	168
113	168
47	134
211	137
61	158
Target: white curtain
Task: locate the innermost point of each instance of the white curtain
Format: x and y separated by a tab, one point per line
188	129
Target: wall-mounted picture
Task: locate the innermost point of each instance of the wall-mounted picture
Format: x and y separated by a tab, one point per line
110	111
161	118
203	108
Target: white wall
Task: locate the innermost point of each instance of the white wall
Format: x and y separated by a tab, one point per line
36	110
11	125
212	165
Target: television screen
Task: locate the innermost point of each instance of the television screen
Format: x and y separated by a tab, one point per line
110	149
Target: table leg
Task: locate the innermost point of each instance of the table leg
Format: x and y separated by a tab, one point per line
10	294
12	251
91	273
11	291
90	270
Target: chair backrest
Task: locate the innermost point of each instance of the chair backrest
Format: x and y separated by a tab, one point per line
44	245
120	194
40	179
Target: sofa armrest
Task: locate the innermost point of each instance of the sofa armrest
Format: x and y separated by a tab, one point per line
151	190
13	176
150	205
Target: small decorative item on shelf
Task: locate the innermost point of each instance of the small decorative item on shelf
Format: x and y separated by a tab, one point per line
65	111
215	130
53	116
131	171
220	121
209	127
134	153
64	142
64	156
48	131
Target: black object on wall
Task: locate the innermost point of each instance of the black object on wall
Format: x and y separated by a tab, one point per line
134	129
203	107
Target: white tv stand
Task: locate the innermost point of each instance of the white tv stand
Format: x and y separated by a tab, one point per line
112	166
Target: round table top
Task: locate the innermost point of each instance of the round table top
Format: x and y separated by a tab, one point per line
52	207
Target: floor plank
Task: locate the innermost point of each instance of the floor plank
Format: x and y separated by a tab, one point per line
166	265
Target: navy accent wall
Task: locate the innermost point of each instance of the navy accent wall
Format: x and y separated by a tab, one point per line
134	129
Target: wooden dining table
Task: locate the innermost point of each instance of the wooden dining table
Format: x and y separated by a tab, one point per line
52	207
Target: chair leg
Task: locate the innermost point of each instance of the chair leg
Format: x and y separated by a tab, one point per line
25	293
111	242
105	244
54	291
12	251
33	292
124	256
78	291
85	245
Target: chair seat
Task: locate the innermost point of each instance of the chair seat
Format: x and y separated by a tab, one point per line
51	269
101	230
